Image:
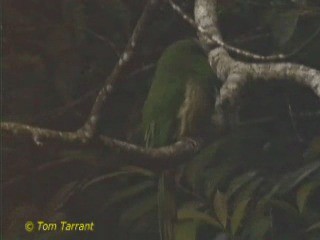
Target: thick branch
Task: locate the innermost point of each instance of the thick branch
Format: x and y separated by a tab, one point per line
210	34
87	135
236	74
41	136
45	137
126	58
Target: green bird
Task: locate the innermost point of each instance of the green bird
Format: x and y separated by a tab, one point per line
179	105
181	96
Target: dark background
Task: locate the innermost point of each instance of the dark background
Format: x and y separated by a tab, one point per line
57	54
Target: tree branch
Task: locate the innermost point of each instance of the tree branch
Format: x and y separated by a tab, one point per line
213	37
45	137
90	127
87	135
216	39
236	75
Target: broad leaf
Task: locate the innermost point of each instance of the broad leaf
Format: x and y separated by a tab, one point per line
103	178
193	170
283	24
192	214
186	230
259	228
314	227
216	176
291	180
313	150
137	210
238	215
286	207
249	189
128	192
239	182
220	206
303	194
166	206
240	203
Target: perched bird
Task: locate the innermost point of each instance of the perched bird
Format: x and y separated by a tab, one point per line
181	96
178	105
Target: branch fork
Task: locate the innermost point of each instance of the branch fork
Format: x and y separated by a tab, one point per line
234	74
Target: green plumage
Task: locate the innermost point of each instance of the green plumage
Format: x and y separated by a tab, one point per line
181	95
178	105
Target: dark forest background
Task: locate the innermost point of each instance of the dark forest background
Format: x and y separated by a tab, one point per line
259	180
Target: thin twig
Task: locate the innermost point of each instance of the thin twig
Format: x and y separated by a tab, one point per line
63	109
242	52
305	43
107	41
219	42
142	69
293	120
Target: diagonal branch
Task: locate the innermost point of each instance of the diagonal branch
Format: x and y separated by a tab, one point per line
87	135
90	127
215	39
236	75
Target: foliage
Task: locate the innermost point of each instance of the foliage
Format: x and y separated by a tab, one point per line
258	181
245	201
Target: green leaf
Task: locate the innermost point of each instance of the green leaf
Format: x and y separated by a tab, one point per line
286	207
186	230
249	189
220	206
238	215
137	210
314	227
193	204
128	192
239	182
216	176
258	228
103	178
193	170
270	194
241	202
313	150
283	24
192	214
166	206
293	179
61	196
304	192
